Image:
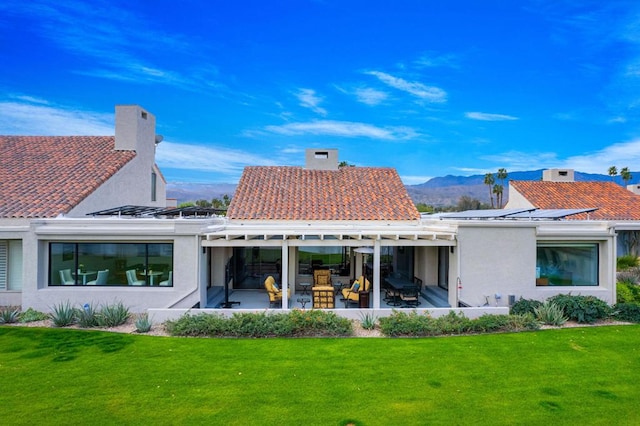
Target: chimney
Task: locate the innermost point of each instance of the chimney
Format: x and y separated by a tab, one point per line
635	188
558	175
321	159
135	129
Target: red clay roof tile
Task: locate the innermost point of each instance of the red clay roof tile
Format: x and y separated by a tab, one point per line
294	193
44	176
612	200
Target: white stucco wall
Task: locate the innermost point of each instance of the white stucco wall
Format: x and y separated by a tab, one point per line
187	263
517	201
501	258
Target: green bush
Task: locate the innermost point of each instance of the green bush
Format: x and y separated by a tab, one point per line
420	325
143	323
9	315
311	322
525	306
112	315
86	316
627	312
550	313
583	309
31	315
626	262
627	292
63	314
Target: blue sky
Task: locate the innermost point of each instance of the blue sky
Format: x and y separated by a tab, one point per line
429	87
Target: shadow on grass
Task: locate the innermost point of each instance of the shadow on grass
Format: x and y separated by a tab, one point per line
62	344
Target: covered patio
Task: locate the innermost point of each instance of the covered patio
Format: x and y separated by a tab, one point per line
241	256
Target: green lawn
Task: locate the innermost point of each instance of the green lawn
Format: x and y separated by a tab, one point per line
554	377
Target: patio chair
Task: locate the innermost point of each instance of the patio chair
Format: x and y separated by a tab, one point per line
132	278
168	282
352	294
101	279
275	294
322	277
410	295
66	278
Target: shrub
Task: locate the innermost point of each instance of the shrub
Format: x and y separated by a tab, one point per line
631	276
525	306
626	262
627	312
9	315
63	315
368	321
550	313
198	325
583	309
143	323
86	316
262	324
112	315
31	315
627	293
416	325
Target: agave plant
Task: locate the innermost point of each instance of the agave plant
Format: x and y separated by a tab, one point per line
9	315
143	323
63	315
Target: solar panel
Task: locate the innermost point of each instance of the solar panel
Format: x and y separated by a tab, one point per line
552	213
484	214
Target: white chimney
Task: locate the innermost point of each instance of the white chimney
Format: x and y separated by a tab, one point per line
321	159
135	129
558	175
635	188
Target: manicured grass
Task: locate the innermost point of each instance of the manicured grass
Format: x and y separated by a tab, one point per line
553	377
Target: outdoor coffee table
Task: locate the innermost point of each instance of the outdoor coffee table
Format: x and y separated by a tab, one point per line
305	288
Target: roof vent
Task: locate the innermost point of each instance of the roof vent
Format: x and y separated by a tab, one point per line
321	159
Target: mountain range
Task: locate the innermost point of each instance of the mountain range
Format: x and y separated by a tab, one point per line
438	191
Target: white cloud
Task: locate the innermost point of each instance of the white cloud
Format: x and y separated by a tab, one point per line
344	129
309	99
23	118
622	154
518	160
414	180
206	158
417	89
431	60
370	96
484	116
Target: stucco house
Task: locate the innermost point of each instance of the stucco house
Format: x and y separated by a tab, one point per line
110	239
47	177
558	189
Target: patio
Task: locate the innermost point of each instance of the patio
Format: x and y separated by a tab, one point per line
431	297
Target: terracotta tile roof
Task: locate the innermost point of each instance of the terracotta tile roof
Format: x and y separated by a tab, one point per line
294	193
612	200
43	176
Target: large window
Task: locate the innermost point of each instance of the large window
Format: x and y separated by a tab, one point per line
10	265
567	264
335	258
112	264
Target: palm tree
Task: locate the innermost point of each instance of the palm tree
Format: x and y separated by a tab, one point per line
498	189
613	171
502	175
625	174
489	180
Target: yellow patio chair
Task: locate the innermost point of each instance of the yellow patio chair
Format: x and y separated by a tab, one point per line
275	294
352	294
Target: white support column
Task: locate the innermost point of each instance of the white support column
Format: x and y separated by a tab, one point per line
285	274
376	275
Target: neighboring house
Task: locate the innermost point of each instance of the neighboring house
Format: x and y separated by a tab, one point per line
285	222
559	190
44	177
